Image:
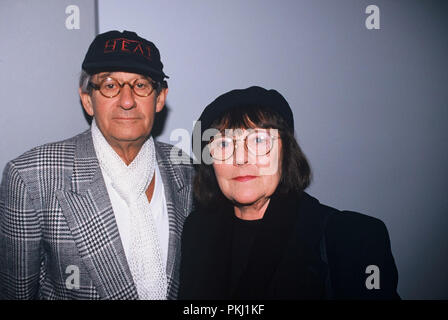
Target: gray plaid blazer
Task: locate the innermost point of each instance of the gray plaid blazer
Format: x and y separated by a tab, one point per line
56	219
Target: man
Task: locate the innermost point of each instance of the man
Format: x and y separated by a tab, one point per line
99	216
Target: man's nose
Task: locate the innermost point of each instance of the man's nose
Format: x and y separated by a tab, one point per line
240	153
127	99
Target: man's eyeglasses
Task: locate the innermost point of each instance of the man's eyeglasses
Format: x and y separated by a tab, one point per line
110	87
258	142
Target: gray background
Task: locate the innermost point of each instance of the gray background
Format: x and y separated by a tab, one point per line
370	106
40	63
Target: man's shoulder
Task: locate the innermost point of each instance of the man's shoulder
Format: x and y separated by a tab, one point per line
167	154
170	152
53	153
175	161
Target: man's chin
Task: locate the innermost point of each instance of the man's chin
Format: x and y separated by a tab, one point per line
129	138
130	133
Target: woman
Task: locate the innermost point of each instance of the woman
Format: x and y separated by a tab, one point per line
255	233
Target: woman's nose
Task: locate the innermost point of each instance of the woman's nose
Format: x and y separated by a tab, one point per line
240	153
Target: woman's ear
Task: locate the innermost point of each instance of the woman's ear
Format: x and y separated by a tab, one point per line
86	101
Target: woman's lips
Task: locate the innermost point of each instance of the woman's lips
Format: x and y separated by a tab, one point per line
244	178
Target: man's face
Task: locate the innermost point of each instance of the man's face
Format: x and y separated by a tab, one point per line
126	118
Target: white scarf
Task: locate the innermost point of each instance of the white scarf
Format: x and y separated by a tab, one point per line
131	182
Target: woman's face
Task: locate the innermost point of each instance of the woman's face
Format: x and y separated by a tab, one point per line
246	178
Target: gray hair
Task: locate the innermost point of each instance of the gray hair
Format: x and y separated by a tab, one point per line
85	78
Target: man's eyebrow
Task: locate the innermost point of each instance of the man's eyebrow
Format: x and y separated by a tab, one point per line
107	74
104	75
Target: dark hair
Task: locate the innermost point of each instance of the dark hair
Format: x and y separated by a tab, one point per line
296	172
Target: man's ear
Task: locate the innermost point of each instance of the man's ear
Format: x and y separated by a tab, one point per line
160	102
86	101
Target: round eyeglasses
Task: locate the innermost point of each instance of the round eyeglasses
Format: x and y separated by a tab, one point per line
110	87
259	143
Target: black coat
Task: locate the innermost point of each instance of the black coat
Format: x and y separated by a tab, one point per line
302	250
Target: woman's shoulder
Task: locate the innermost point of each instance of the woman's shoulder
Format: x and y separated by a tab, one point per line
355	226
356	237
344	226
345	220
356	242
350	220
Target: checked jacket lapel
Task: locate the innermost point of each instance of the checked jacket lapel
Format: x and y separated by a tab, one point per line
179	202
88	210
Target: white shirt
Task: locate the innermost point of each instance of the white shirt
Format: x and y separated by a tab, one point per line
158	208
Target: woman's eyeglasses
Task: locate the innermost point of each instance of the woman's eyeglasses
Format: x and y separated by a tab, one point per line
258	142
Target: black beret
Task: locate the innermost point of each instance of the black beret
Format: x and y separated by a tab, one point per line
252	96
123	51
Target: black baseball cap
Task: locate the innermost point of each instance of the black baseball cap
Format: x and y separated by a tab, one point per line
123	51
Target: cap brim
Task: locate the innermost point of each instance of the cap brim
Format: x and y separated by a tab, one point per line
114	67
